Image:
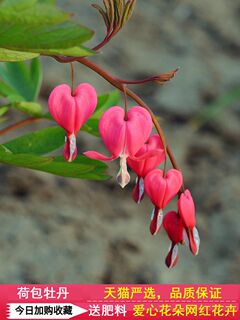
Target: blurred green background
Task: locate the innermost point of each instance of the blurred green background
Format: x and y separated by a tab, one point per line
63	230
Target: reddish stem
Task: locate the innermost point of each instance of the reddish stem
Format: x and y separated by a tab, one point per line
19	125
149	79
72	79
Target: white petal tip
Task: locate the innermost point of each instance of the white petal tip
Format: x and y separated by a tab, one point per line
174	256
196	239
123	177
185	238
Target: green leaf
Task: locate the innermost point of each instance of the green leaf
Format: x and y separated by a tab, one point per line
93	170
49	2
25	37
36	76
3	109
41	28
37	14
79	51
11	55
31	108
39	142
6	90
91	127
17	4
104	102
25	80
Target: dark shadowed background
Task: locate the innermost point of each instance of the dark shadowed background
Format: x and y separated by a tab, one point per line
64	230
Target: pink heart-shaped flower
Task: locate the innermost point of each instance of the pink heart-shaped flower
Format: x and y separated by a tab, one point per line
162	189
123	135
173	225
72	111
186	209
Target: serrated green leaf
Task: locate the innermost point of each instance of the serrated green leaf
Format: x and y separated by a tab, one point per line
12	56
57	166
39	142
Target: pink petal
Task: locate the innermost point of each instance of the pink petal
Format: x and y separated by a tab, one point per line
98	156
138	130
62	107
186	209
148	157
155	186
173	225
112	128
86	102
174	182
156	221
162	189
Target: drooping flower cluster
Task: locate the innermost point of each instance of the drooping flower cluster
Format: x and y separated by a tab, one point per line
128	136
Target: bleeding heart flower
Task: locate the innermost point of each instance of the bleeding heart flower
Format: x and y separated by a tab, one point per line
143	167
161	189
123	135
71	112
173	225
186	210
